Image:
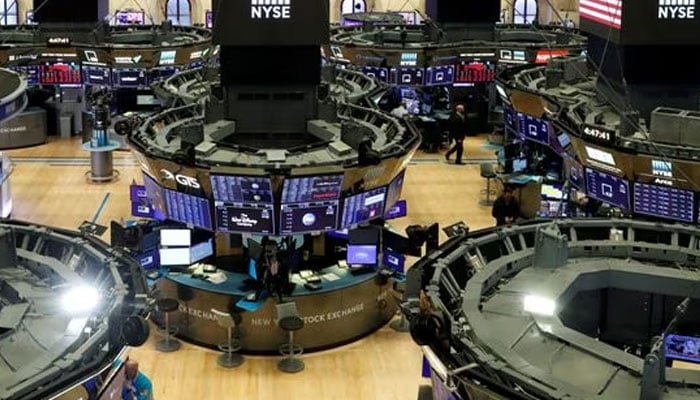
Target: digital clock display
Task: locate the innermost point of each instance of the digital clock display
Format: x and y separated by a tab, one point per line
598	134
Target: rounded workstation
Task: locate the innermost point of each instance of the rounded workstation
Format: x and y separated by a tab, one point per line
346	307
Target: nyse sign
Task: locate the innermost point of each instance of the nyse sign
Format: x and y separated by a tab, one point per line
676	9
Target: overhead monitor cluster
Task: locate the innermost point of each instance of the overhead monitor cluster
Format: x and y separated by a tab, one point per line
250	204
647	185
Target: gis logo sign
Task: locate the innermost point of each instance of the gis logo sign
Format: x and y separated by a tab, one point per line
676	9
271	9
183	180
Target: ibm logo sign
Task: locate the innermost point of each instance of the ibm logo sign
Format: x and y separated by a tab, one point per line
271	9
676	9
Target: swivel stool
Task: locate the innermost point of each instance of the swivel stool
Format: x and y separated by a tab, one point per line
289	320
230	358
169	343
487	172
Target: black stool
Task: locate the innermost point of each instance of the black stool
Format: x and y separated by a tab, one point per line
288	320
488	172
230	357
169	343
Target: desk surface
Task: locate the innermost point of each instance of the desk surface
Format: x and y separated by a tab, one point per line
234	282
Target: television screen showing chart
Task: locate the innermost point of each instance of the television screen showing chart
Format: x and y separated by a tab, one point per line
245	218
393	194
59	73
534	129
608	188
312	188
130	77
440	75
94	75
664	202
408	76
363	207
241	189
308	217
188	209
378	73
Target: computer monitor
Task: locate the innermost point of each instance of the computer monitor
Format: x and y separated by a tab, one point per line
309	217
533	129
175	237
363	207
188	209
201	251
129	17
245	218
553	192
399	210
552	209
156	197
608	188
167	57
685	348
209	19
393	193
175	256
394	261
241	189
519	165
312	188
362	254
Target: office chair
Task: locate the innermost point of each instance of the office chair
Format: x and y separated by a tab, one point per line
487	172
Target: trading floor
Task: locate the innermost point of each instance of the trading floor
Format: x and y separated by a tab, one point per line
49	187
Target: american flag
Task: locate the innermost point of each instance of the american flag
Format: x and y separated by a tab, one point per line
606	12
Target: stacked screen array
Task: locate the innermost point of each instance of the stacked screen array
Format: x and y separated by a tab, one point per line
248	205
660	198
463	73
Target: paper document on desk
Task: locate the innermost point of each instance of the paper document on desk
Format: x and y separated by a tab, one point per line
297	279
217	278
330	277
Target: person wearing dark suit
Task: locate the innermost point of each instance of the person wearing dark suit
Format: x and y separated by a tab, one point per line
458	130
506	209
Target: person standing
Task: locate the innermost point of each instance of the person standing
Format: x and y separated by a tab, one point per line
137	386
458	131
506	209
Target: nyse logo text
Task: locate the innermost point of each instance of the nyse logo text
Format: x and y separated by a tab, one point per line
270	9
676	9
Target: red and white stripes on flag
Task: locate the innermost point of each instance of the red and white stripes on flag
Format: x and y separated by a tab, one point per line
606	12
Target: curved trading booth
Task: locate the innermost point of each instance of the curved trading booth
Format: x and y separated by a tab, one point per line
70	306
577	309
250	160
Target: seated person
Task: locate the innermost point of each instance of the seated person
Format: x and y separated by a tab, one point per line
506	209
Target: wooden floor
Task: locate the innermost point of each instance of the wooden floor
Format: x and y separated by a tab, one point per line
49	187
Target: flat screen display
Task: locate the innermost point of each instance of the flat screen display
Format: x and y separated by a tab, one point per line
600	156
148	261
394	261
440	75
141	209
534	129
312	188
99	76
156	197
308	217
552	209
510	119
362	254
241	189
469	72
175	237
129	77
553	192
245	218
59	73
167	57
399	210
30	71
409	76
174	256
608	188
364	207
378	73
188	209
129	18
200	251
686	348
574	172
664	202
393	193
